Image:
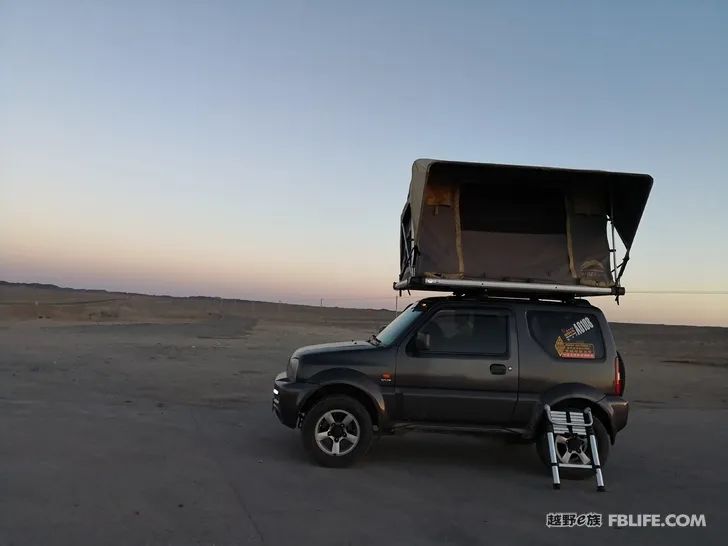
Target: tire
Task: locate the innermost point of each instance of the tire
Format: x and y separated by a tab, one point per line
603	445
344	429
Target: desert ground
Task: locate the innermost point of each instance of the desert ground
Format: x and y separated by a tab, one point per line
129	419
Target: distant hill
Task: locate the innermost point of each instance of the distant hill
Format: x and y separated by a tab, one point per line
37	301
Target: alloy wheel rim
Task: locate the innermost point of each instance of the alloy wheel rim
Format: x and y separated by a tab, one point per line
568	453
337	432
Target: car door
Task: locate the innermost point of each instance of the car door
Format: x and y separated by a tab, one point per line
460	366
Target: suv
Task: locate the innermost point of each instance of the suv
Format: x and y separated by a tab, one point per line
461	364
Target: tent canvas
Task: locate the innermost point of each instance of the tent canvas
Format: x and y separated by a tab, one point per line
505	224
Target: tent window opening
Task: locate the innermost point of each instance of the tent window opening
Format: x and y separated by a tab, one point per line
512	209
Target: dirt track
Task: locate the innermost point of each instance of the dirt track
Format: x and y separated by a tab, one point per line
147	421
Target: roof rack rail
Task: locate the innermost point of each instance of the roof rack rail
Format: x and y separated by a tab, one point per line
507	288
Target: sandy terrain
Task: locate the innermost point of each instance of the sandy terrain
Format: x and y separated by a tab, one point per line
130	419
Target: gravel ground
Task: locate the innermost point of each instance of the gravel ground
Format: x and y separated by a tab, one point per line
161	433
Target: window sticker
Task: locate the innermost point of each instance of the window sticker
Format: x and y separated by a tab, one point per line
579	327
567	335
574	349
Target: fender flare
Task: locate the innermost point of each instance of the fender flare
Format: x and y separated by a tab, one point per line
568	391
350	378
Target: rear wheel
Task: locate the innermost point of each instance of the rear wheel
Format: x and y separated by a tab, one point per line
575	449
337	431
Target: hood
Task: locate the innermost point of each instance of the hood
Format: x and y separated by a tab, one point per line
341	346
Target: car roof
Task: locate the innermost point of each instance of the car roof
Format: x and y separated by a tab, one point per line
485	300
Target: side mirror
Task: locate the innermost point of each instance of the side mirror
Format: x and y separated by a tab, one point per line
422	342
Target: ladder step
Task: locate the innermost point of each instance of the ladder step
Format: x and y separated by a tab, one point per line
573	465
581	431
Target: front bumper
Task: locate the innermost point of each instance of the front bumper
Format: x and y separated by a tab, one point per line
287	399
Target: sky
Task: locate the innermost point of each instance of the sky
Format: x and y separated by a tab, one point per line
262	150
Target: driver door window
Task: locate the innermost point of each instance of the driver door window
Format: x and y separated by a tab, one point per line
463	332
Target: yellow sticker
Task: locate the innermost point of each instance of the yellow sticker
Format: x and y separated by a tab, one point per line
574	349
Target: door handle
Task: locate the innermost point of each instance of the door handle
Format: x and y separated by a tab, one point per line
498	369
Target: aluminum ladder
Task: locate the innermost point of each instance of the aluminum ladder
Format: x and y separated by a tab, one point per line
572	425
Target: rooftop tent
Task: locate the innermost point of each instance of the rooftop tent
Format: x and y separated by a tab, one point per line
511	228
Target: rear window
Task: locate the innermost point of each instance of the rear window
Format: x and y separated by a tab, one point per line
567	335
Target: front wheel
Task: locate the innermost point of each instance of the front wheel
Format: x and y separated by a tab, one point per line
575	450
337	431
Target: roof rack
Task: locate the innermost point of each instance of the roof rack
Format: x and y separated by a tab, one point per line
507	288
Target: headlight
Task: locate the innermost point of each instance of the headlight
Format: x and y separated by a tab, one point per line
292	369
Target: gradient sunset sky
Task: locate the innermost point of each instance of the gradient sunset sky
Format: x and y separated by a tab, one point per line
262	150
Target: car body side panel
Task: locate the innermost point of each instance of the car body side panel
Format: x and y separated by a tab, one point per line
456	388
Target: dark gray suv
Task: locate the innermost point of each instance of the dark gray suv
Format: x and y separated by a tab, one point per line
463	364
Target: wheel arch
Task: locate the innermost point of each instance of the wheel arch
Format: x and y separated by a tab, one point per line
573	395
349	383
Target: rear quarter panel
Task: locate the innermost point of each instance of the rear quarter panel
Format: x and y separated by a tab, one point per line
540	372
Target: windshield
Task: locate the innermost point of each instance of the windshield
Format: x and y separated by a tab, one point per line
394	329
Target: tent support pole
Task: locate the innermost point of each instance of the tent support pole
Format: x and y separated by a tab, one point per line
613	247
458	233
